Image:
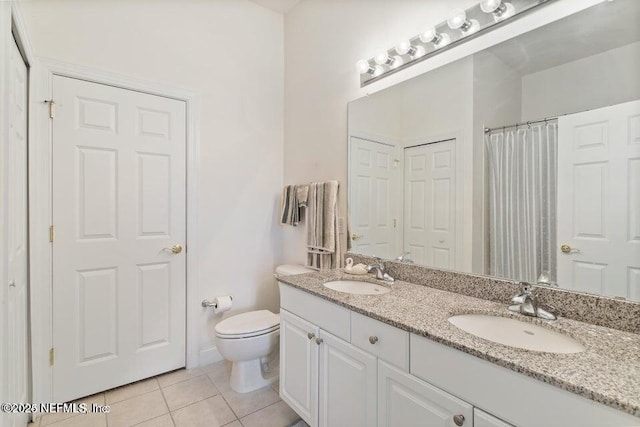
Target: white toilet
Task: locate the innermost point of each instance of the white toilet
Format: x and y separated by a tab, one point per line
250	340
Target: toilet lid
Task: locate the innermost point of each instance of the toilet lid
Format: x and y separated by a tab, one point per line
249	324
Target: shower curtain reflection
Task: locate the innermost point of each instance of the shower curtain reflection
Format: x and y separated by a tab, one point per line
522	173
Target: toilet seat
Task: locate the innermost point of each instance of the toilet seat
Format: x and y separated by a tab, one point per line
246	325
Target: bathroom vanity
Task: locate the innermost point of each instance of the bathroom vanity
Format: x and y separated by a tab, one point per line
396	360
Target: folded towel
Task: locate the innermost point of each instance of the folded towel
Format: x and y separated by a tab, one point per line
290	209
323	240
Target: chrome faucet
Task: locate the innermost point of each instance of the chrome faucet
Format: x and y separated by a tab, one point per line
405	258
379	269
525	303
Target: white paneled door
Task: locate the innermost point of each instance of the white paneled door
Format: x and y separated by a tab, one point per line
17	386
374	198
599	200
429	203
118	211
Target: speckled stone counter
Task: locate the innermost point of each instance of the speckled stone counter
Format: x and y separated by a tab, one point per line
608	371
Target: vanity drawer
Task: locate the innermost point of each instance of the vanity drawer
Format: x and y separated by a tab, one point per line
327	315
385	341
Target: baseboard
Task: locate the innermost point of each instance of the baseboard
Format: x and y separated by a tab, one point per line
209	355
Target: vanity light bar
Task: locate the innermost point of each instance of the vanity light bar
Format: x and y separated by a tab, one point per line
461	26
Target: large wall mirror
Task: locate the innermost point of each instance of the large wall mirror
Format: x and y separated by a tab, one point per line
521	161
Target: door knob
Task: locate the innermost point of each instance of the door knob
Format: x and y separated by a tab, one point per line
355	236
566	249
319	341
176	249
373	339
311	335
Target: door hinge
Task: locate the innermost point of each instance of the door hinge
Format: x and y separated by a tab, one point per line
52	356
52	108
52	233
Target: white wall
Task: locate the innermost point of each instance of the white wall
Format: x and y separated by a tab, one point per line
230	52
323	41
438	103
583	84
377	116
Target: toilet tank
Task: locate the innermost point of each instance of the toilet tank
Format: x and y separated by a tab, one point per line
290	269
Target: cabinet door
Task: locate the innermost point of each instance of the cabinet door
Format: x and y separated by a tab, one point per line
404	400
299	366
347	384
482	419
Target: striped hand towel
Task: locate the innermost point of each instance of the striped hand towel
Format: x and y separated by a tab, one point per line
290	209
323	240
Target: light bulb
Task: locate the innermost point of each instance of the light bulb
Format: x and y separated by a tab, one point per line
457	19
444	40
378	70
403	47
428	35
438	39
488	6
506	11
381	58
498	8
471	27
420	51
397	61
363	66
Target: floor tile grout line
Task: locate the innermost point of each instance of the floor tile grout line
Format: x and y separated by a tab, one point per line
132	397
164	398
258	410
151	419
194	402
232	410
178	382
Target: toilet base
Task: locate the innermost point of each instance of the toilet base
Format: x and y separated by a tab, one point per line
249	375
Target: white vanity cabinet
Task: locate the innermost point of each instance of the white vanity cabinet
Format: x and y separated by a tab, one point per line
347	384
299	366
326	380
482	419
340	368
404	400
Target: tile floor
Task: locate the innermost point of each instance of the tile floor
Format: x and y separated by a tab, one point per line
198	397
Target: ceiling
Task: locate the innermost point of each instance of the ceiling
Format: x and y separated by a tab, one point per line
280	6
597	29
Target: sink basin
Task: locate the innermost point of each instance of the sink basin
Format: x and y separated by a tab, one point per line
516	333
357	288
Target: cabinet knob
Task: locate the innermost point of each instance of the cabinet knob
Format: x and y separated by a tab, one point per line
319	341
373	339
311	335
458	419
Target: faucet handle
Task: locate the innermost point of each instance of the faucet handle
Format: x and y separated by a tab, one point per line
526	291
404	257
519	299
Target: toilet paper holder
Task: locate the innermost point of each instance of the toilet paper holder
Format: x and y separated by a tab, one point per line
206	303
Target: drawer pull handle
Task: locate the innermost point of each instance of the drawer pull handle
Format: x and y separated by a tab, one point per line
311	335
373	339
458	419
319	341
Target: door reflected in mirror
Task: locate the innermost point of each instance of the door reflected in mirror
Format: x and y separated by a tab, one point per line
521	161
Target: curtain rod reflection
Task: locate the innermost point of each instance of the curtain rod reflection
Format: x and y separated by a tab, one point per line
523	124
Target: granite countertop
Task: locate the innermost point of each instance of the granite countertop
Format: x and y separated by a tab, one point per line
608	371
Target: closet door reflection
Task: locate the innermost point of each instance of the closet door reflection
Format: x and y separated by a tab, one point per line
429	204
374	199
